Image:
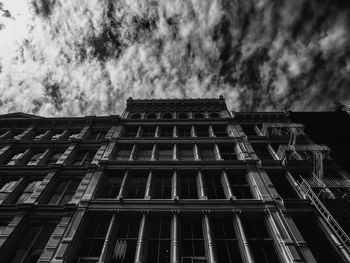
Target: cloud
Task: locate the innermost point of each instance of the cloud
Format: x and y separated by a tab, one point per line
63	57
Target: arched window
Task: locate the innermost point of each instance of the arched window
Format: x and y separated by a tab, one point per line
136	116
167	115
214	115
199	115
183	115
152	115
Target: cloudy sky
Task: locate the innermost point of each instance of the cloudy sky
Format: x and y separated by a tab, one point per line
86	57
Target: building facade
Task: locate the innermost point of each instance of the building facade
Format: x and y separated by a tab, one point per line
174	181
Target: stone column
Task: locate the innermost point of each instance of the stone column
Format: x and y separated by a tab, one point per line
141	240
174	251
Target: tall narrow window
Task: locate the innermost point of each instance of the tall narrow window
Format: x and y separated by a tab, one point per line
111	185
162	185
227	152
248	129
239	184
166	131
213	184
185	152
7	185
144	152
188	184
137	184
123	152
130	131
28	191
282	185
91	245
31	244
220	130
261	151
64	191
206	152
148	131
165	152
260	241
202	131
159	241
184	131
227	244
192	241
84	157
319	244
125	246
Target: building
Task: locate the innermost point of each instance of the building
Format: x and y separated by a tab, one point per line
180	181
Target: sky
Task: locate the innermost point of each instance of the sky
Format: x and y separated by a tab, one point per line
86	57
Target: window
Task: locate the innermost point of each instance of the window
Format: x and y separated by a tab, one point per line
183	115
35	158
84	157
202	131
111	185
239	184
198	115
137	184
260	241
162	185
227	243
188	184
54	157
213	184
185	152
7	185
123	152
151	115
206	152
64	192
30	245
28	191
15	158
125	246
97	134
17	134
166	131
214	115
282	185
92	243
144	152
316	239
159	240
74	135
165	152
220	130
167	115
130	131
227	152
3	225
262	152
148	131
192	240
184	131
248	129
136	116
57	135
40	135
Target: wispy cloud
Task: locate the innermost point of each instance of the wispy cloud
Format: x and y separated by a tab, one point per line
63	57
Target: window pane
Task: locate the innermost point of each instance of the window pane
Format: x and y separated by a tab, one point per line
165	152
239	184
227	152
213	184
185	153
188	184
206	152
137	184
162	185
111	186
123	152
144	153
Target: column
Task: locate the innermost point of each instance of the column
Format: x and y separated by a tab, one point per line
209	239
217	152
133	152
123	185
202	194
176	152
174	250
157	131
247	251
108	238
175	133
141	239
196	153
138	133
149	185
211	131
175	193
226	184
154	152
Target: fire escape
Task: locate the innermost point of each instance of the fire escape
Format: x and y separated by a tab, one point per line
324	192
